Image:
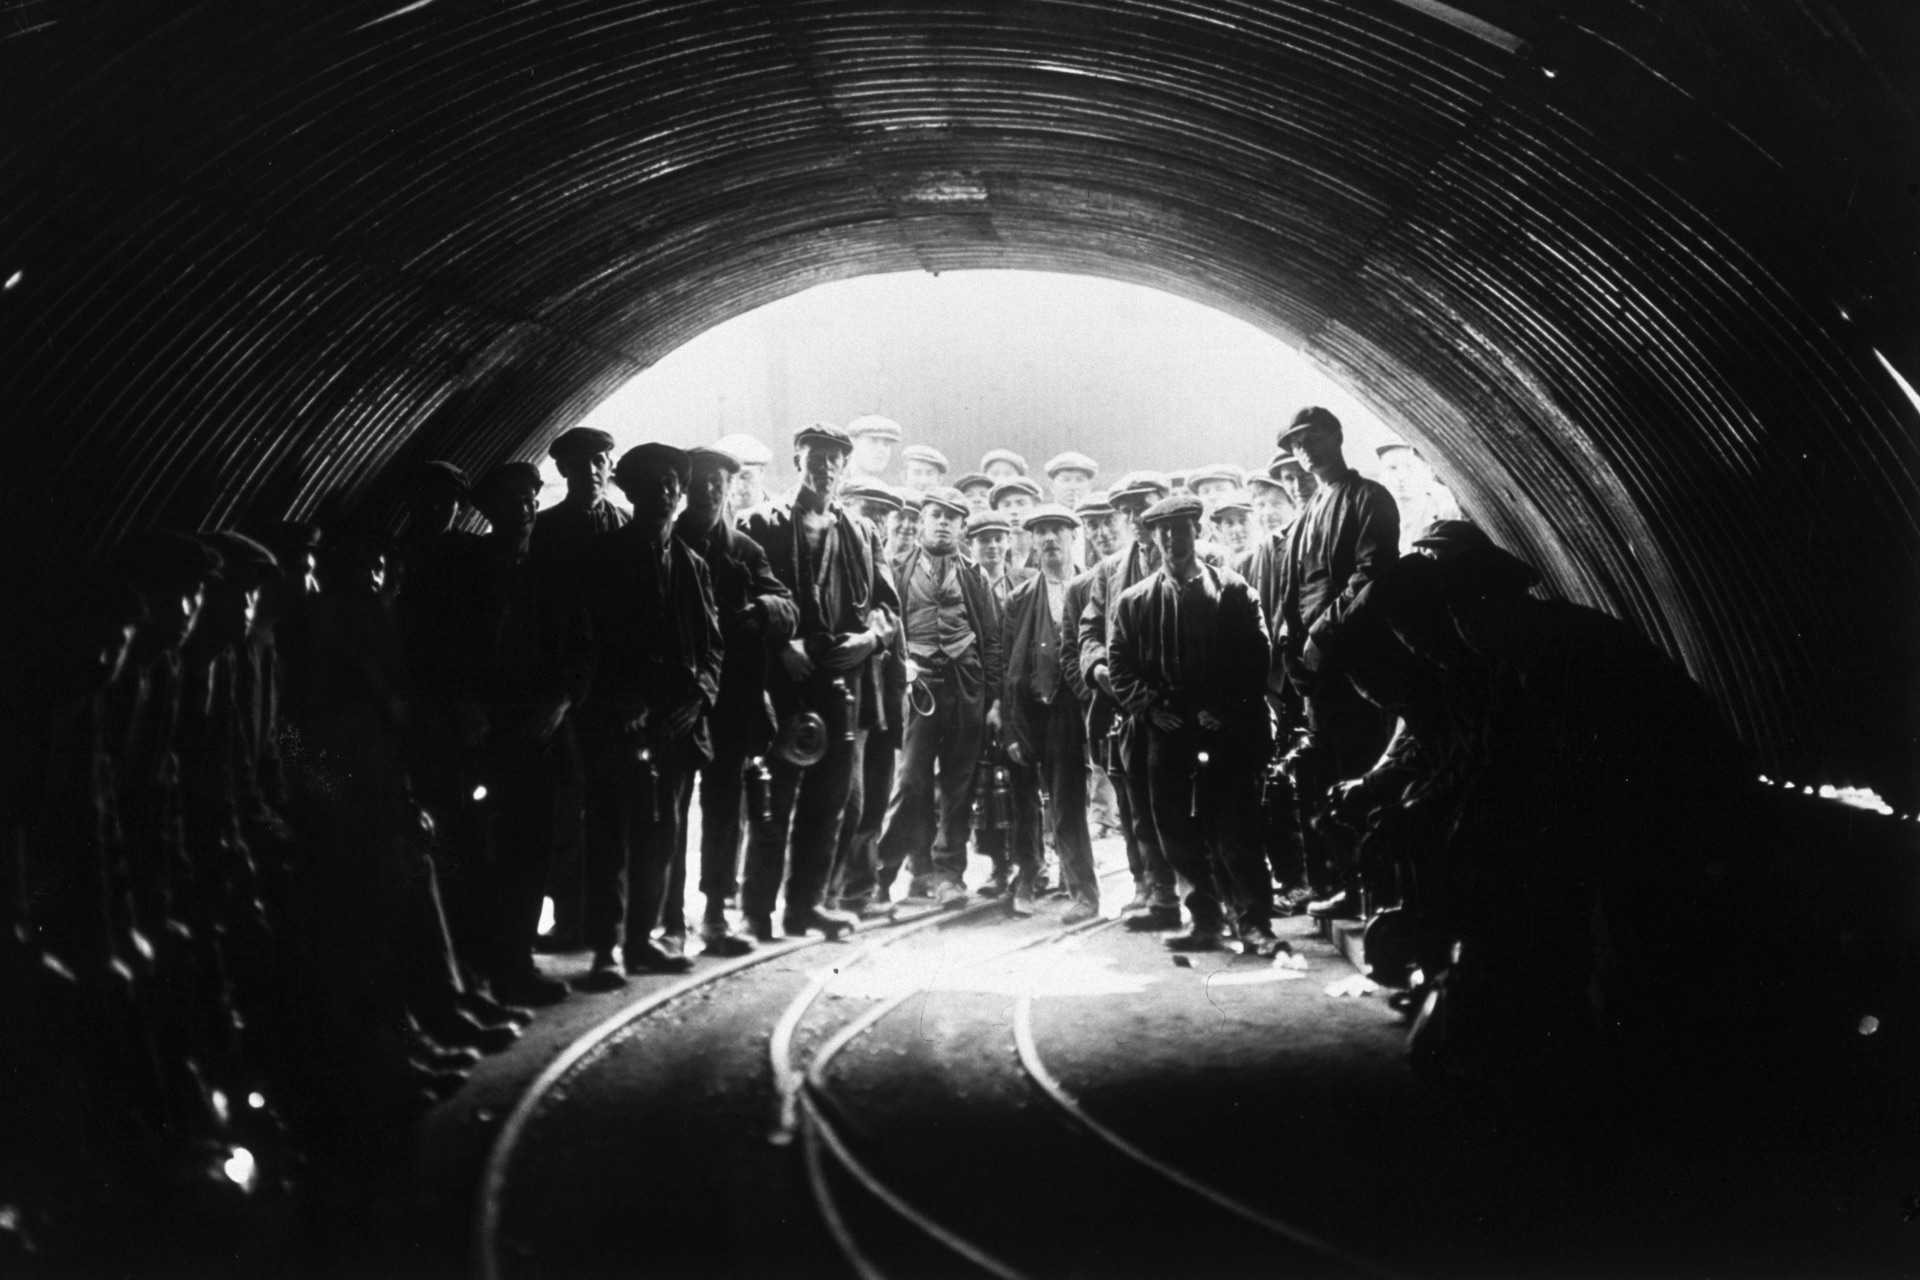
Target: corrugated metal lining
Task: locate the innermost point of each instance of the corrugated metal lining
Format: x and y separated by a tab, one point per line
1595	262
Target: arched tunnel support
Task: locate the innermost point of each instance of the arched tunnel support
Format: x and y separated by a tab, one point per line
1629	271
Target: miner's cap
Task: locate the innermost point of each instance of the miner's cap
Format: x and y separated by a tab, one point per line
872	424
751	450
988	522
1048	514
652	458
992	456
947	497
925	453
1012	485
1311	416
579	442
822	433
1181	506
1071	461
712	455
873	491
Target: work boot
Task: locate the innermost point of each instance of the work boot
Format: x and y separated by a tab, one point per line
645	957
1080	912
1342	905
1258	939
721	941
1153	920
1293	901
949	894
879	909
759	928
1141	900
819	919
1201	937
605	974
996	884
1025	896
530	988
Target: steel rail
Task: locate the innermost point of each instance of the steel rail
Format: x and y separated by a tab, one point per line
1050	1086
499	1159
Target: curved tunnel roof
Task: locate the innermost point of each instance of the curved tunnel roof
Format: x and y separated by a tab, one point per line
1622	267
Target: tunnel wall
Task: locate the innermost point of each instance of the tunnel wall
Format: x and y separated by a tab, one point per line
1622	268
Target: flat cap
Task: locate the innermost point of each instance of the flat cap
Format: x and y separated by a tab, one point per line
506	478
1218	471
973	480
1283	462
1136	486
712	455
911	499
924	453
1050	513
1071	461
244	560
1469	560
1181	506
988	522
1094	504
751	450
650	459
436	474
822	433
872	424
1449	538
950	498
1382	450
578	442
872	491
1012	485
1003	455
1233	502
1258	480
1311	416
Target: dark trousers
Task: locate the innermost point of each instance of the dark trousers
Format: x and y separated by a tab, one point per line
1024	848
521	778
1063	770
808	805
1348	735
722	806
928	819
1208	826
1151	870
566	874
633	826
857	878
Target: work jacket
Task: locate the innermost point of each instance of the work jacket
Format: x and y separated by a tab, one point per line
1214	658
756	614
1349	533
656	640
1028	632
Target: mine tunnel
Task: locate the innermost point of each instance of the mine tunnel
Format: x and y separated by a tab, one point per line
1639	279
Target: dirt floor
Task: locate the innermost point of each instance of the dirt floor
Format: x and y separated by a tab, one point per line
661	1154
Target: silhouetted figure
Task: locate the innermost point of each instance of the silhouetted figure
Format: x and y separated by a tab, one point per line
1348	532
584	456
756	615
657	664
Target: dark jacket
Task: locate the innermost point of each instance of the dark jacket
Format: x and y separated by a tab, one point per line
656	645
860	568
1231	673
1026	631
983	613
1112	577
1347	536
756	613
561	532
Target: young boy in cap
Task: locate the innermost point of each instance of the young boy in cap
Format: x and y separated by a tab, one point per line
644	728
1071	475
757	615
874	439
952	627
1044	703
924	467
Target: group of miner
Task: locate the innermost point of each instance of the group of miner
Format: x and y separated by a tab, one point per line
284	808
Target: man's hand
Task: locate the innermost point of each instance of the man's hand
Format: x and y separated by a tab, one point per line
684	717
1105	681
1017	754
794	658
913	671
881	624
1208	720
993	717
1166	719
